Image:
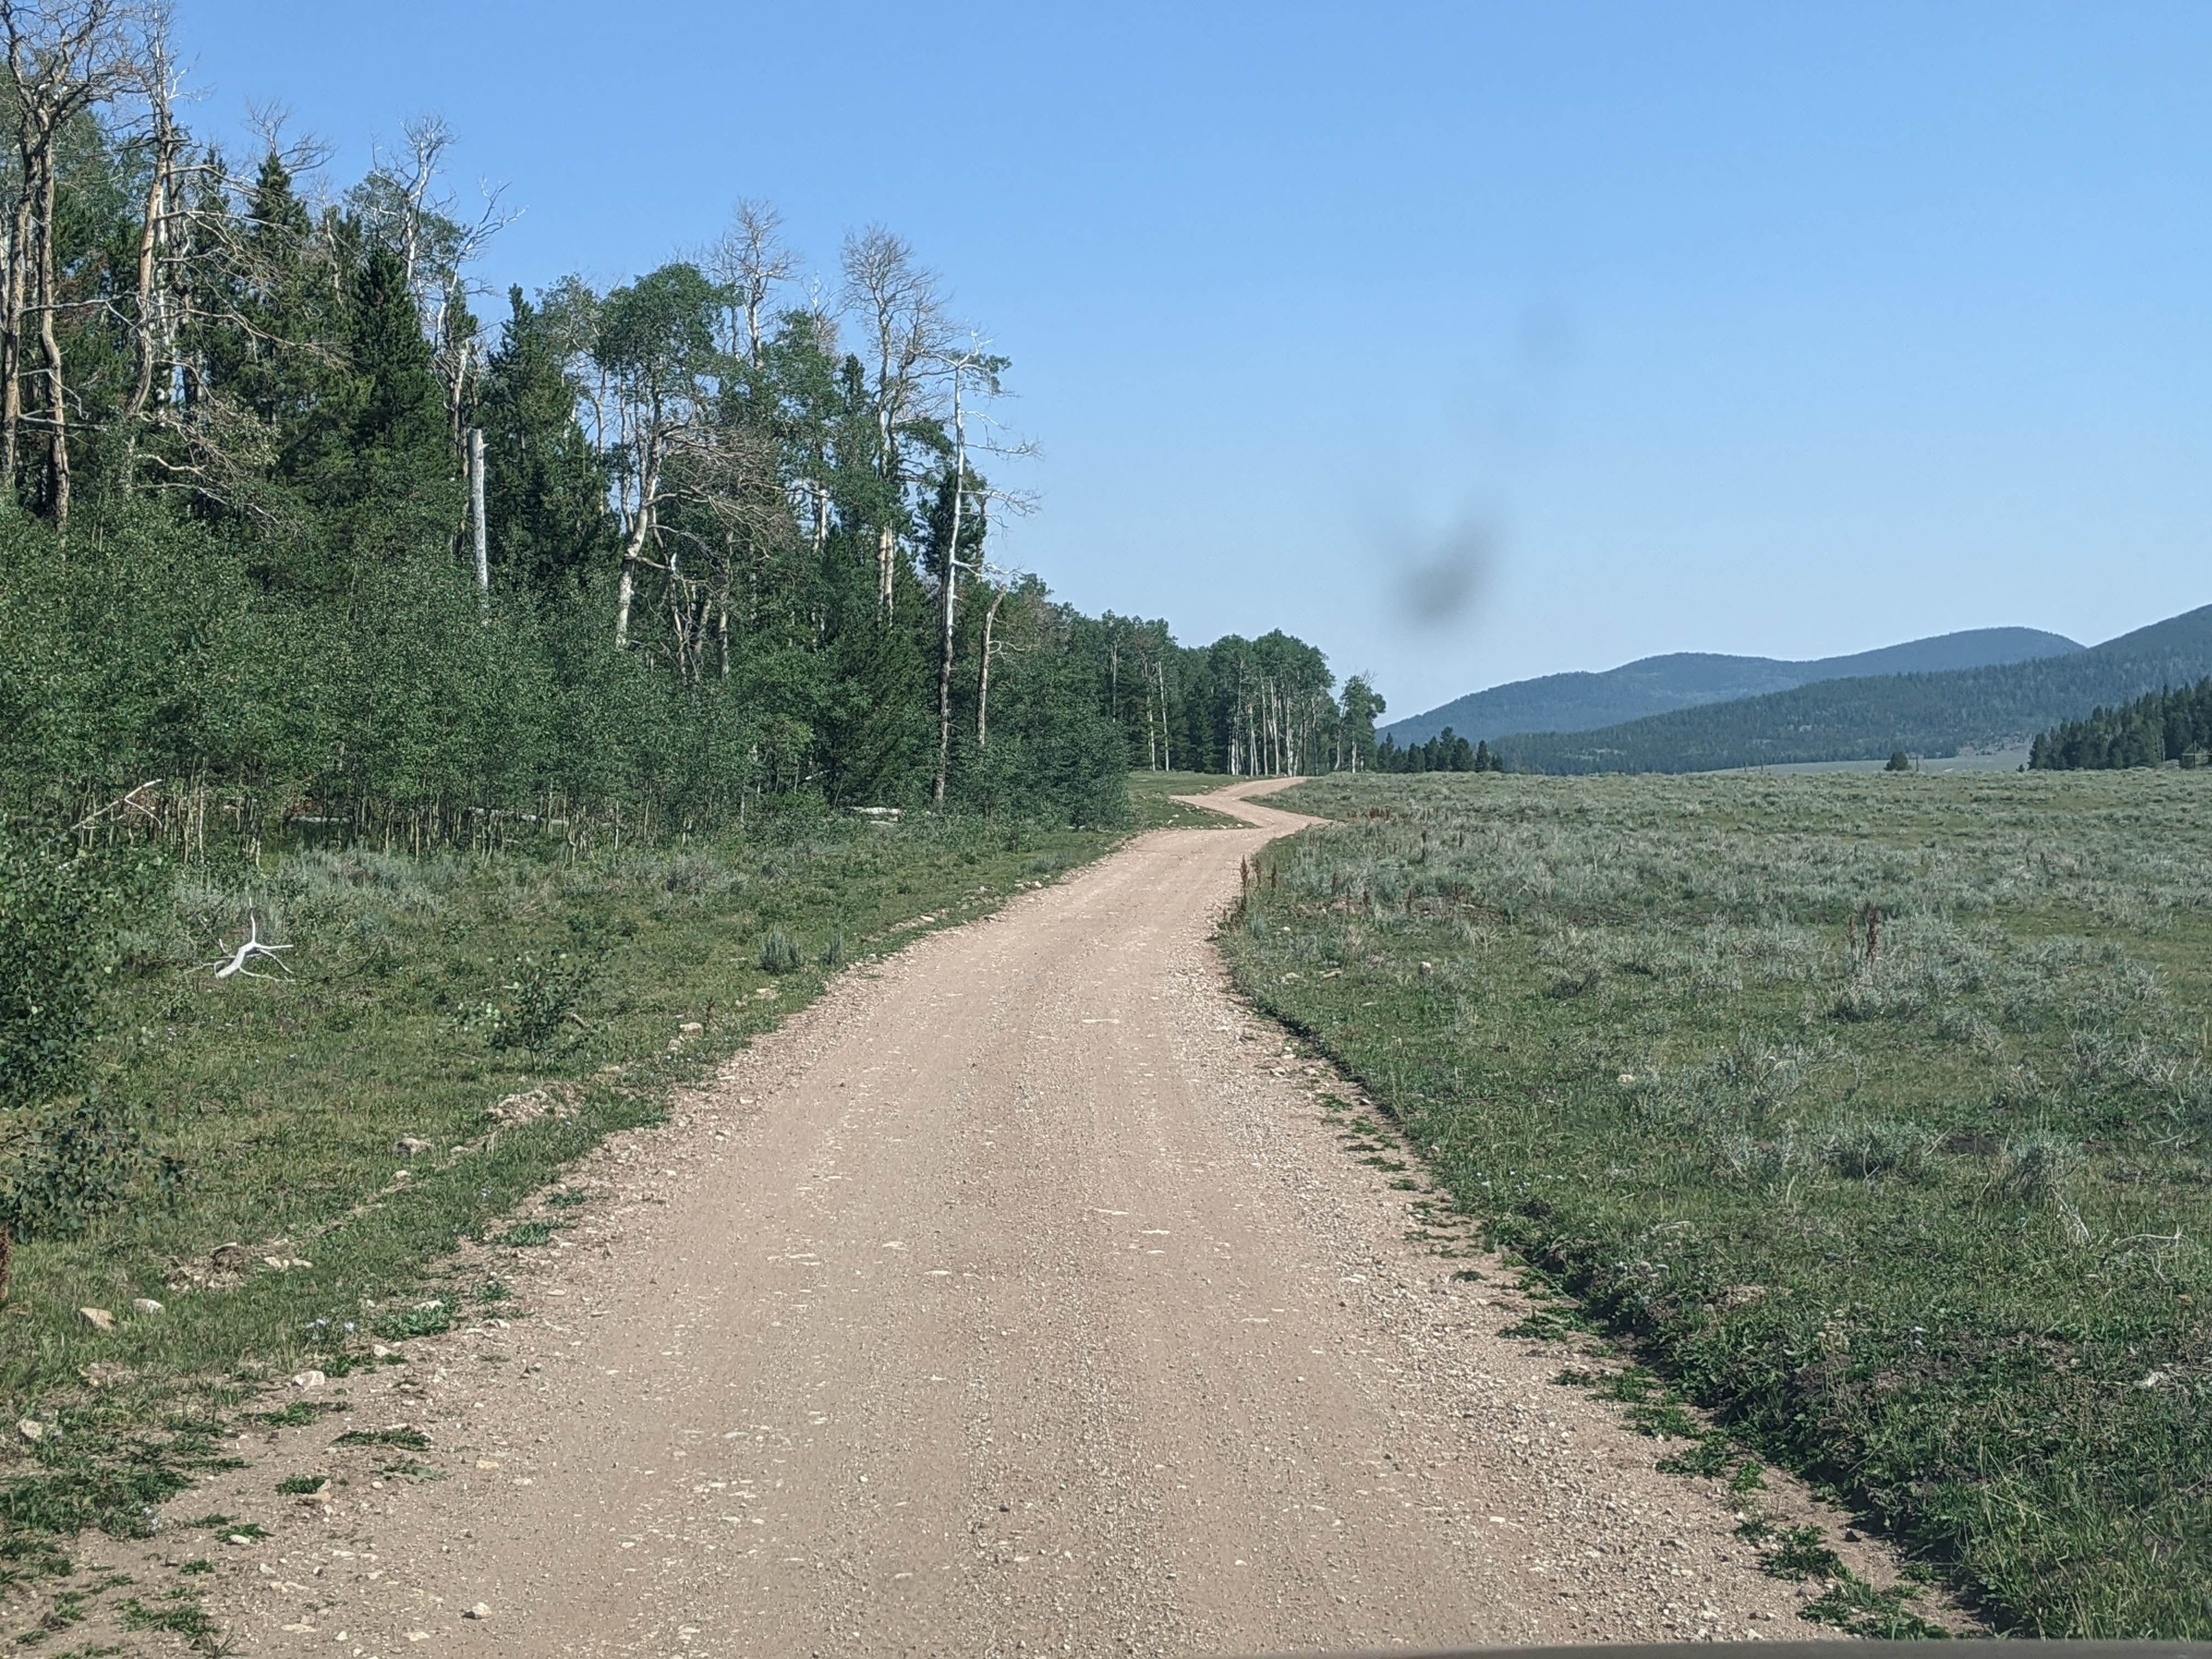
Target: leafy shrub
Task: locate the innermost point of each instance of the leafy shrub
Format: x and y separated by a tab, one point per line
61	909
541	999
77	1162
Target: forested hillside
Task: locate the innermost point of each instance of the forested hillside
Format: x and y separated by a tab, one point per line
299	521
1869	718
1685	679
2166	725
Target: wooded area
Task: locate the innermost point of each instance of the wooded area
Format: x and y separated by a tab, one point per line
2172	724
290	535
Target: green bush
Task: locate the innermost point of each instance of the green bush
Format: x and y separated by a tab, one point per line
543	998
77	1162
779	953
61	909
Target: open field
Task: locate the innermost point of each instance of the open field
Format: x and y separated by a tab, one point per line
1023	1293
506	1012
1923	1217
1998	760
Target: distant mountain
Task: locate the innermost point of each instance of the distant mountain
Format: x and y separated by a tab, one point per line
1993	707
1689	679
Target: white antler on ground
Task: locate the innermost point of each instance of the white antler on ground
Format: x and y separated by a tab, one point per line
235	963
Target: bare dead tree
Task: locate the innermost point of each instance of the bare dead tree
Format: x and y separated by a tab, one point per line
61	57
165	143
899	305
751	261
972	366
727	479
404	199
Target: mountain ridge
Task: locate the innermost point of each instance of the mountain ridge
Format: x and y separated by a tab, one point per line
1579	701
1994	706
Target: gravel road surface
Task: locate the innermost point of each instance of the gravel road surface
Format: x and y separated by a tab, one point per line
1019	1297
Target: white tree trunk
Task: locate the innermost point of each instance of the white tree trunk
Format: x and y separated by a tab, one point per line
476	528
951	595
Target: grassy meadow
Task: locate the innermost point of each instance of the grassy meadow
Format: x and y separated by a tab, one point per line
1920	1213
504	1012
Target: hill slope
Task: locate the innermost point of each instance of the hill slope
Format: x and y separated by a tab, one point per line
1688	680
1864	719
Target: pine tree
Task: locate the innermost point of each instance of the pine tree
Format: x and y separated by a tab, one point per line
545	487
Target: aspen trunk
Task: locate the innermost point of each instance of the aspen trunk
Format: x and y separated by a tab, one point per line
983	679
149	230
626	588
951	593
477	531
11	334
1167	747
50	348
634	547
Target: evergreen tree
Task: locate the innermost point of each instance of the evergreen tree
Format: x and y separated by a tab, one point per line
546	488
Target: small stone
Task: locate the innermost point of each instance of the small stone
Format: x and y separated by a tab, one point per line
98	1318
308	1379
378	1350
692	1025
482	1610
145	1306
412	1146
32	1429
1428	966
238	1538
277	1262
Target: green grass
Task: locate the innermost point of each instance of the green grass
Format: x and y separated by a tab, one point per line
510	1011
1925	1227
1152	798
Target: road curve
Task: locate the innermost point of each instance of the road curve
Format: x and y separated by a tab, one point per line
1019	1297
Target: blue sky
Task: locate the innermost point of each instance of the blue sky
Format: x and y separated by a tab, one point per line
1773	329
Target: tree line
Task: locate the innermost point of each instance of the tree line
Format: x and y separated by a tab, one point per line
1263	707
2168	725
294	526
1446	751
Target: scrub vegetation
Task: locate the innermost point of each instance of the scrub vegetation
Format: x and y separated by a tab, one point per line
1876	1111
280	1161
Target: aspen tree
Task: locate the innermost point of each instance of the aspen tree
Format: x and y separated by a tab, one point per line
62	58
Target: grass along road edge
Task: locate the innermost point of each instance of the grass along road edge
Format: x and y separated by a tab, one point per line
1920	1227
456	1033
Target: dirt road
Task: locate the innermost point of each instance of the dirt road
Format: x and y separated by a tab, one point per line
1018	1298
